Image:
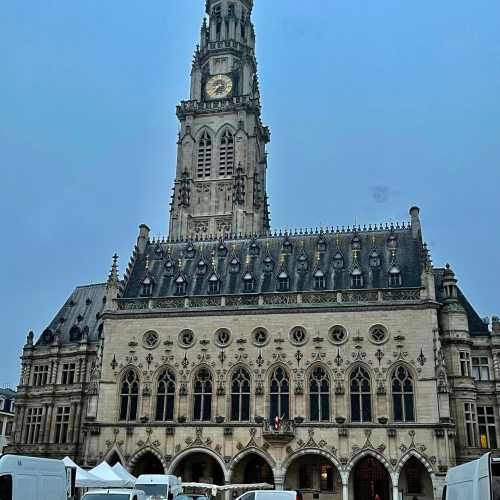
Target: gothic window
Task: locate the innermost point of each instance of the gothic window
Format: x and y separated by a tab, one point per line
165	396
150	339
361	395
240	396
403	395
205	155
213	285
319	280
283	282
268	264
243	31
260	337
254	248
487	428
319	395
321	244
248	283
222	337
356	278
374	259
129	396
186	338
280	394
226	154
338	334
180	286
62	424
202	396
298	336
394	277
201	268
378	334
234	265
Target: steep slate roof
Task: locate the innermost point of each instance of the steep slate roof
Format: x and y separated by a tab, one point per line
8	393
477	327
299	256
79	315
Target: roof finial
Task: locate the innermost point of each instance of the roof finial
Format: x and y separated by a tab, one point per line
113	274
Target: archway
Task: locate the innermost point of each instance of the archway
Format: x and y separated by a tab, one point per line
114	459
199	467
415	480
147	463
313	474
371	478
251	469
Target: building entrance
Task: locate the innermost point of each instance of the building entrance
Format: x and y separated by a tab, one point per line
200	468
147	464
370	479
252	469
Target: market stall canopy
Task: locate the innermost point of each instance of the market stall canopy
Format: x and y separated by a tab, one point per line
213	488
84	479
109	478
123	473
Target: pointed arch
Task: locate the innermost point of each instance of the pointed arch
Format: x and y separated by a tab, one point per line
241	384
135	459
226	153
248	452
319	385
402	379
369	453
310	451
113	453
360	392
205	150
421	458
202	450
279	392
165	391
203	391
129	394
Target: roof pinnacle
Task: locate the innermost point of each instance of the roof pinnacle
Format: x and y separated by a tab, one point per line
113	278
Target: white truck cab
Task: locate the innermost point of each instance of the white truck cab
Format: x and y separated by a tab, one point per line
475	480
115	494
159	486
30	478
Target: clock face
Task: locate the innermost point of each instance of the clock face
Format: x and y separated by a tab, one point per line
219	86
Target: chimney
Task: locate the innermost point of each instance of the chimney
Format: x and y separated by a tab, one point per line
416	229
495	325
142	240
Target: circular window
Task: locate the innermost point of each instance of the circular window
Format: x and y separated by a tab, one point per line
337	334
298	335
186	338
150	340
222	337
378	334
260	337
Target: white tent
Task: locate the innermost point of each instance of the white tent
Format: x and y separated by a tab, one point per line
84	479
124	473
109	478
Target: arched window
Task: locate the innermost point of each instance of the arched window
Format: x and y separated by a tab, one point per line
394	277
319	395
202	395
240	396
129	396
165	396
356	278
226	154
403	395
205	155
361	395
280	394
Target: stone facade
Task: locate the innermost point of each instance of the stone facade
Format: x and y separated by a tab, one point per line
7	401
339	362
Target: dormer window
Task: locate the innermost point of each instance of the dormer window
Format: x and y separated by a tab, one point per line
254	248
287	246
213	285
180	286
356	278
302	263
321	245
319	280
392	242
169	268
283	282
222	250
147	287
394	277
231	9
374	259
338	261
248	283
234	265
268	264
201	268
190	251
356	243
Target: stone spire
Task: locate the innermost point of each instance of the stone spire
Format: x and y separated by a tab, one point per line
113	285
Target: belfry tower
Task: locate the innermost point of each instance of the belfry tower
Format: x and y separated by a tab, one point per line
220	182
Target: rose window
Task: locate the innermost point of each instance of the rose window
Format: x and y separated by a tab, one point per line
298	335
150	339
186	338
260	336
222	337
338	334
378	334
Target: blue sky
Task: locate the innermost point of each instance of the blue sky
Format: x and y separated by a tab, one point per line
373	107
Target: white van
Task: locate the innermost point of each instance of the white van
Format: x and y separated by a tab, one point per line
159	486
269	495
115	494
476	480
29	478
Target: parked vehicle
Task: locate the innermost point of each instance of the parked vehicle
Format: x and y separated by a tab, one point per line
118	494
268	495
30	478
191	496
476	480
159	486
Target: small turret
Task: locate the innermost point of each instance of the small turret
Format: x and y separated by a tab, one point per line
495	325
450	289
113	284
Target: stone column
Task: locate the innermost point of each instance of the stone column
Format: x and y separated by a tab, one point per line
395	491
72	419
279	482
345	491
43	434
